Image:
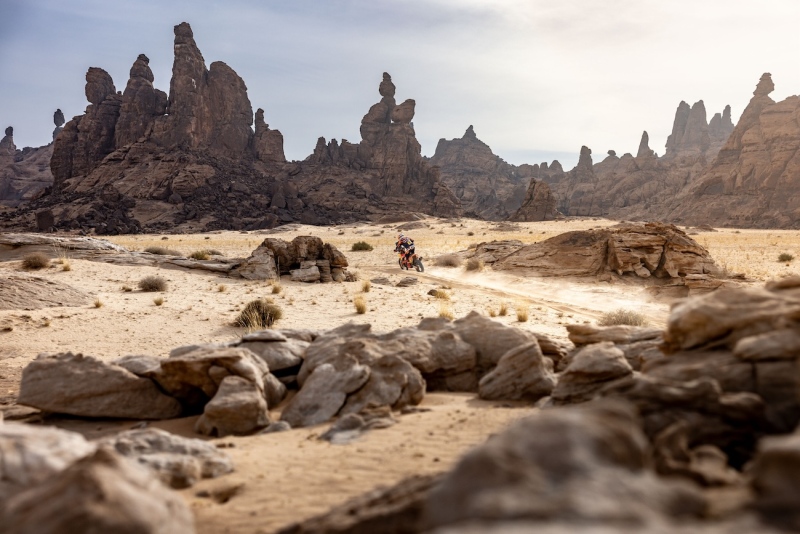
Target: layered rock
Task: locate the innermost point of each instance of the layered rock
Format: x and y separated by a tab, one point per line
24	174
753	180
487	186
193	159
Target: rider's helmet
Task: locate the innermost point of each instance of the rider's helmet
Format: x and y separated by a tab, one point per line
400	236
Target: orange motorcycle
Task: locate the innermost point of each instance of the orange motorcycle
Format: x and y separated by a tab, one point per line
412	262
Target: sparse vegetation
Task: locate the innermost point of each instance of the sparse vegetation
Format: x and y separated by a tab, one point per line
361	246
222	288
366	285
98	303
523	310
492	312
503	311
259	313
446	311
360	303
35	261
158	301
474	264
440	294
470	233
276	288
162	251
127	289
785	256
152	283
448	260
622	317
66	265
200	255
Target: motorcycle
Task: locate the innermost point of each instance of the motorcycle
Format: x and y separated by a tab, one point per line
413	262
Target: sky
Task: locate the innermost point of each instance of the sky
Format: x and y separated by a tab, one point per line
536	78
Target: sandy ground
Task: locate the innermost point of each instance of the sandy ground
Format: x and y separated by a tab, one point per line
285	477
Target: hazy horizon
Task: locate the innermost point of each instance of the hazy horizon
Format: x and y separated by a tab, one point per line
536	80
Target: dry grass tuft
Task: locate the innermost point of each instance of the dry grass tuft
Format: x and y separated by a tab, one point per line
446	311
503	311
448	260
523	311
35	261
366	285
158	301
785	256
361	246
127	289
200	255
152	283
276	288
98	303
360	303
66	265
222	288
492	312
474	264
162	251
259	313
440	294
622	317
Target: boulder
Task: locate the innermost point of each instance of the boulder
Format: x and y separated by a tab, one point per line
179	462
521	373
393	382
259	266
325	391
278	355
308	274
491	339
579	464
32	454
238	407
590	369
100	493
776	481
81	385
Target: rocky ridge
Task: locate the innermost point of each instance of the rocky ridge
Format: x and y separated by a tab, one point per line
25	174
144	160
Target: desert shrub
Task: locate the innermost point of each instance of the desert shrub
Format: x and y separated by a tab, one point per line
470	233
35	261
152	283
361	304
200	255
158	301
785	256
259	313
127	289
622	317
222	288
446	311
366	286
66	265
439	294
361	245
492	312
448	260
276	288
474	264
503	311
522	309
98	303
162	251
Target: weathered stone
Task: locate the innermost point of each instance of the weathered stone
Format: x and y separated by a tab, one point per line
589	370
85	386
178	461
392	382
31	454
278	355
100	493
324	392
521	373
491	339
238	407
776	477
586	334
259	266
308	274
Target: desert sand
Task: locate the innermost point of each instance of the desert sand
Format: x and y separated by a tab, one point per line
285	477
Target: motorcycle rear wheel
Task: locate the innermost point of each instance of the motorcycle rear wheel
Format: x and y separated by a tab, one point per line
418	265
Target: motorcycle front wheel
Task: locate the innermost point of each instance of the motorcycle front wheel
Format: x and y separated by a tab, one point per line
400	263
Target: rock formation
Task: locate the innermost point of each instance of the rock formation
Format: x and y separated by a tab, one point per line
753	180
539	203
58	119
24	174
194	160
487	186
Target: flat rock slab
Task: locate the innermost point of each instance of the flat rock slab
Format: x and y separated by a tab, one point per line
20	292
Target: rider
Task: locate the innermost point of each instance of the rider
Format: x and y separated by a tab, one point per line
405	245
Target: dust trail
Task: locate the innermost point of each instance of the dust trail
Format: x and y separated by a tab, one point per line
585	299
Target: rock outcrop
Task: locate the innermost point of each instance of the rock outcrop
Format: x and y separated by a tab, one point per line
487	186
24	174
753	180
193	159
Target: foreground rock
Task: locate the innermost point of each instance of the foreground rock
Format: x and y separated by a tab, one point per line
81	385
30	455
100	493
19	292
179	462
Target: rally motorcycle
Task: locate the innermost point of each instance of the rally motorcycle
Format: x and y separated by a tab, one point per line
412	262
